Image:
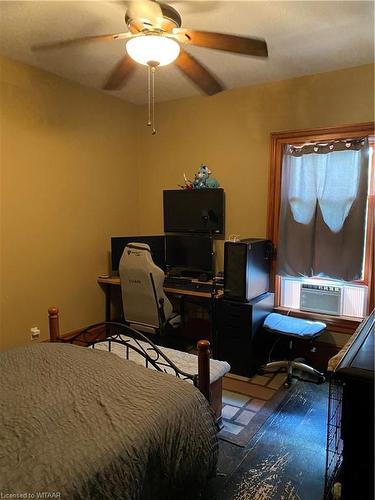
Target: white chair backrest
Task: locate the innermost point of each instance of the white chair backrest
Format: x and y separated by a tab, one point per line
138	295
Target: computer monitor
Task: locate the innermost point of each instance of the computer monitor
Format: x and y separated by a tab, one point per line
156	244
194	211
189	255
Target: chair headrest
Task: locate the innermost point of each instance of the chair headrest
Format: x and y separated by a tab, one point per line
138	246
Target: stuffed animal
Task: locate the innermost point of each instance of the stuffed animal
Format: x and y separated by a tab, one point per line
201	177
212	183
201	180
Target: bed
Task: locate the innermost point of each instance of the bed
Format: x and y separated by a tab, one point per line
82	423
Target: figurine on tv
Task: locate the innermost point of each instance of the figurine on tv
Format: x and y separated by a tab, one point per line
202	179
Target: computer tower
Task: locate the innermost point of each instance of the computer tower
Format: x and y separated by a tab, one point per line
239	333
246	268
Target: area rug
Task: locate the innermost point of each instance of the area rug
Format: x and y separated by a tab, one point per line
248	403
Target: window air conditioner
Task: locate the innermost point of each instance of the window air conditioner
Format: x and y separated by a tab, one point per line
325	299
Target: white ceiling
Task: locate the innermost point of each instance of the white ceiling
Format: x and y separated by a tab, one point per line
303	38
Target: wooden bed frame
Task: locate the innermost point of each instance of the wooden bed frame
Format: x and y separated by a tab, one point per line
113	333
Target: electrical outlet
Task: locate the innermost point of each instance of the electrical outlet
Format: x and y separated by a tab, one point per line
35	332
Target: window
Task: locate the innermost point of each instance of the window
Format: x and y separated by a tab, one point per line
321	191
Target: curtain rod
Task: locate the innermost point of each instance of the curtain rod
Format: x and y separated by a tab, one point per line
333	141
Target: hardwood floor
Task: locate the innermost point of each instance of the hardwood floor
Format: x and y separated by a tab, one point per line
285	459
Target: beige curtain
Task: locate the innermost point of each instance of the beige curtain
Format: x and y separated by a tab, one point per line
323	210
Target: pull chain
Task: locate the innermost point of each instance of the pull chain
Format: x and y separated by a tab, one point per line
153	69
149	94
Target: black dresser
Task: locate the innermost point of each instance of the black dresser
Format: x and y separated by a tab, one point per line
239	327
351	411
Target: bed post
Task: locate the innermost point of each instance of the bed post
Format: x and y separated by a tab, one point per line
53	320
204	368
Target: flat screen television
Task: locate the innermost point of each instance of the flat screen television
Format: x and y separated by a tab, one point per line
194	211
156	244
189	255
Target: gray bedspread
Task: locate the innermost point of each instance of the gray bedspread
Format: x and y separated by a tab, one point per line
86	424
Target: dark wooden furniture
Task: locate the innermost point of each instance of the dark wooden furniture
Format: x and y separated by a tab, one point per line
239	333
350	436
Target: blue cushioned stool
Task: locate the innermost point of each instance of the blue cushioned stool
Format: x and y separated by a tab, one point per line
292	328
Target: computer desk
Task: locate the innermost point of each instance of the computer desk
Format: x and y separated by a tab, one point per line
114	281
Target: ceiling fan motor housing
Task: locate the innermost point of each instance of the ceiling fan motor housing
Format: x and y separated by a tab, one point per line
171	19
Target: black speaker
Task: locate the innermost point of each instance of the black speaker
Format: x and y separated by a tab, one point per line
246	268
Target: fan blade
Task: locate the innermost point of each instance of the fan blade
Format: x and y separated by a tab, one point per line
85	39
202	7
145	12
221	41
198	73
123	70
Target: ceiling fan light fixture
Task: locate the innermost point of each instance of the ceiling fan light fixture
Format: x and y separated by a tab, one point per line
157	49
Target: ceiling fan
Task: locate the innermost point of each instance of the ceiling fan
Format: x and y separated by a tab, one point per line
156	38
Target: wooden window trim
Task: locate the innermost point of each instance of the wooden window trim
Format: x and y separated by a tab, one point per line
278	140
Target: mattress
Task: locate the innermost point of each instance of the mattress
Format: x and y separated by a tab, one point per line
184	361
86	424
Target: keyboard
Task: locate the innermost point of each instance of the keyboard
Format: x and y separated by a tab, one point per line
188	284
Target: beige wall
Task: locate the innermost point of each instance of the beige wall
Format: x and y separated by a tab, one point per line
230	133
68	183
70	177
